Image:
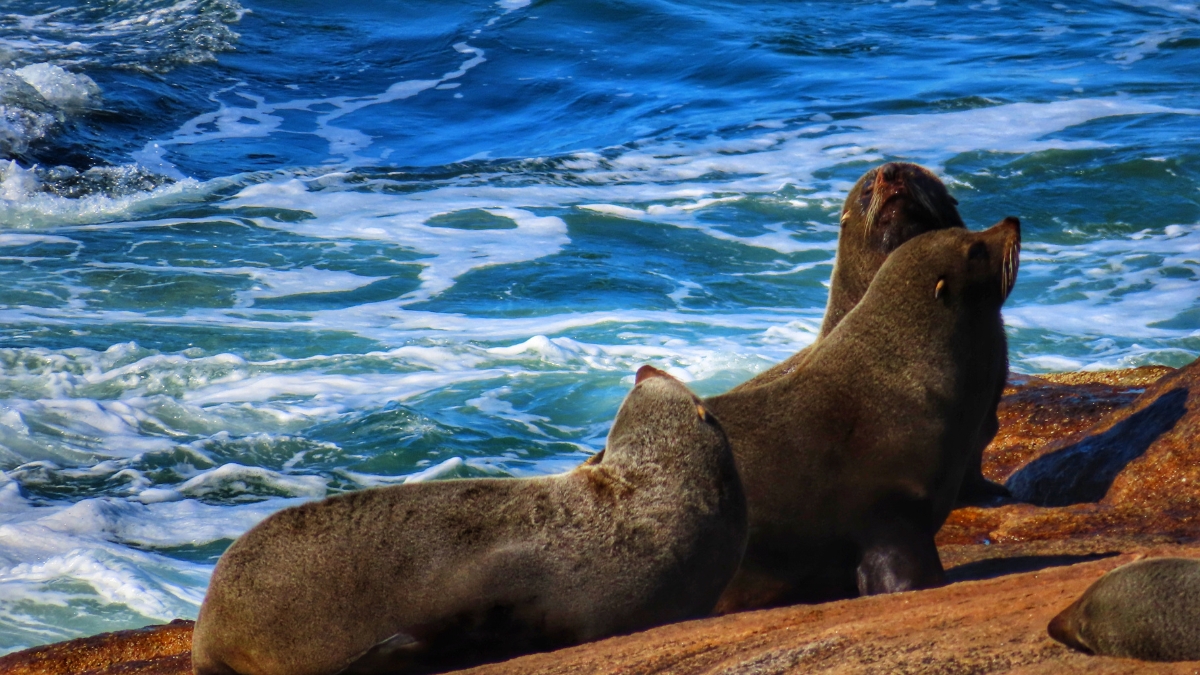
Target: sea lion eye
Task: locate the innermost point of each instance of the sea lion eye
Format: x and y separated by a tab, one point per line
941	285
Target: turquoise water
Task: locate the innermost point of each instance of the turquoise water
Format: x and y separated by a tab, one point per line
258	252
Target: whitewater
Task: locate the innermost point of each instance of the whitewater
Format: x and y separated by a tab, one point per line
258	252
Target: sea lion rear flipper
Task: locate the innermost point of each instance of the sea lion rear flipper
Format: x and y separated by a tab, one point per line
898	555
387	656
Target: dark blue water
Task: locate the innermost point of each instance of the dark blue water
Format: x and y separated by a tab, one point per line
257	252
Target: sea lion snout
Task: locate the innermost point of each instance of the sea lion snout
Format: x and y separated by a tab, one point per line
1004	239
900	200
1061	629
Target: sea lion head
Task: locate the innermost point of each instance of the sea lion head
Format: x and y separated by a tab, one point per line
1070	627
662	422
958	270
889	205
895	202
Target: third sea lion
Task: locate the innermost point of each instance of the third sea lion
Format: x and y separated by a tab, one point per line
1149	610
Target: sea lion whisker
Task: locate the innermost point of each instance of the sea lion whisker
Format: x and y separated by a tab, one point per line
872	216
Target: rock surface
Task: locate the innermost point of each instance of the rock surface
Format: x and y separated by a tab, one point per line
154	650
1104	463
989	626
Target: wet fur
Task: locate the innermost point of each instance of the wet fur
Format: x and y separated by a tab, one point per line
439	575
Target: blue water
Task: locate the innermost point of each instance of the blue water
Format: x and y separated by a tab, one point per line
260	251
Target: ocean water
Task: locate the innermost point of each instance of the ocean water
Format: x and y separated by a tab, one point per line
255	252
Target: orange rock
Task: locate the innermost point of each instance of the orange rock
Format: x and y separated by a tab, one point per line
153	650
1133	475
989	626
1037	410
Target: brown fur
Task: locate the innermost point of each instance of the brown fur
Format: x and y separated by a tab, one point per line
431	576
852	463
1149	610
889	205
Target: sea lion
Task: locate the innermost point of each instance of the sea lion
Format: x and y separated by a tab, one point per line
440	575
889	205
1149	610
853	462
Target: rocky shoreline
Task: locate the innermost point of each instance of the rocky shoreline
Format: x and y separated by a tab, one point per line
1104	467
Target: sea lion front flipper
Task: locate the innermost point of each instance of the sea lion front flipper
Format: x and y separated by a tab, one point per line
898	555
975	489
979	491
388	656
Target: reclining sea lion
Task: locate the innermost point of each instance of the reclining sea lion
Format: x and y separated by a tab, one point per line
440	575
1149	610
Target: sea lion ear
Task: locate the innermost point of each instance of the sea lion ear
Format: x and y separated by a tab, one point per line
941	286
978	251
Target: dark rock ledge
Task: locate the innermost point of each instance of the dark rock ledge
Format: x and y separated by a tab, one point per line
1105	468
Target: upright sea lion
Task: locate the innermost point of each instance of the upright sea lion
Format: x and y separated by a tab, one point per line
432	576
889	205
1149	610
853	462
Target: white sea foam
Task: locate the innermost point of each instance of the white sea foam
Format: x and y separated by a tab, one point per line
492	403
379	216
236	480
150	35
80	555
651	173
23	204
269	283
15	239
1142	297
344	390
61	88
